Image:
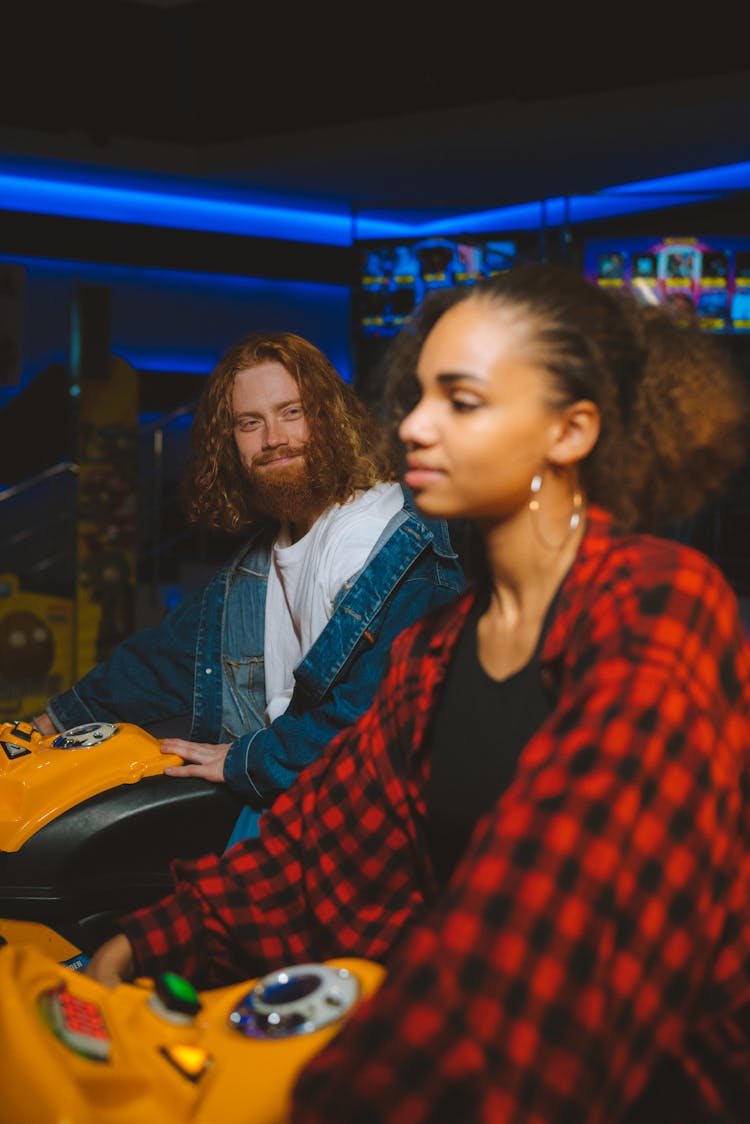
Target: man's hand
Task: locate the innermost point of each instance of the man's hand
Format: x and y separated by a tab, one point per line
207	760
43	723
112	963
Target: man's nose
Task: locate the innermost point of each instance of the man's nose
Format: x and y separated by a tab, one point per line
275	435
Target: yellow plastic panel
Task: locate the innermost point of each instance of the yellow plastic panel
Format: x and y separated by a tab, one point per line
200	1072
40	936
39	779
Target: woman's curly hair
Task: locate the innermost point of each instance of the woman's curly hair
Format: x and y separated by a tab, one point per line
675	413
346	452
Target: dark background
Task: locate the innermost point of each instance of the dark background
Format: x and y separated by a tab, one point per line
387	105
408	110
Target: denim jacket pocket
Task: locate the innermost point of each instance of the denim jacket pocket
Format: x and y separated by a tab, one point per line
243	696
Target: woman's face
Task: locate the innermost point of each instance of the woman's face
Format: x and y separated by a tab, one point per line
485	423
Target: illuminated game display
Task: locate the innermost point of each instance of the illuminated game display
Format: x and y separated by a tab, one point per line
395	277
707	277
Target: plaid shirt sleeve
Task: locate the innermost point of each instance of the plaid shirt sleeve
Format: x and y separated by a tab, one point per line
331	875
599	922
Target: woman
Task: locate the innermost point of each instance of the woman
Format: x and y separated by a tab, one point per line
542	823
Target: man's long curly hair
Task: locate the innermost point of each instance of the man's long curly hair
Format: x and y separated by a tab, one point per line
345	452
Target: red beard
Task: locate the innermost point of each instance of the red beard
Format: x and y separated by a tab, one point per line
287	493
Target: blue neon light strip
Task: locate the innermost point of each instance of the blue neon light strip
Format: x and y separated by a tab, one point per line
71	198
728	177
630	198
169	279
560	211
158	208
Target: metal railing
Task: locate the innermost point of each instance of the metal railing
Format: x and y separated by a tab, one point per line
37	516
160	532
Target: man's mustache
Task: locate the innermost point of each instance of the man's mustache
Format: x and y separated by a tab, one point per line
269	458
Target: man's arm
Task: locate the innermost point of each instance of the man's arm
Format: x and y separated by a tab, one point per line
148	677
261	765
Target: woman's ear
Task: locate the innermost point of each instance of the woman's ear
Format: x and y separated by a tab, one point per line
577	433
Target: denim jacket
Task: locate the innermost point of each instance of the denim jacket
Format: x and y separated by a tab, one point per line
206	657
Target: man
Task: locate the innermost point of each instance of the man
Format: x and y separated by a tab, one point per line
286	645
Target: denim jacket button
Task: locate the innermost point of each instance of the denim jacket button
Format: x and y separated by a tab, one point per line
208	670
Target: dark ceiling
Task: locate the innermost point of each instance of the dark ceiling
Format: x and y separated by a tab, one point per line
383	105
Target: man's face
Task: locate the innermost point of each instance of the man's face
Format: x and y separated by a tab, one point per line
271	435
269	424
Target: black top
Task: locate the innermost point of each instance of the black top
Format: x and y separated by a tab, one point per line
481	726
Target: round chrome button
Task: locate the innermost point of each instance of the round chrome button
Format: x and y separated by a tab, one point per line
83	737
296	1000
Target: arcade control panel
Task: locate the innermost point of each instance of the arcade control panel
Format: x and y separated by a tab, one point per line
81	842
43	776
157	1050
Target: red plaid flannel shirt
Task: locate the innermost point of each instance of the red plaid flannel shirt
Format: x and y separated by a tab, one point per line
598	925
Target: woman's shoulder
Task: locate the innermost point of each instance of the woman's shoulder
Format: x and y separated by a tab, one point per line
653	562
646	559
650	587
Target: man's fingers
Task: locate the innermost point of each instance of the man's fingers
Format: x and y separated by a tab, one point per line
177	745
185	770
188	751
208	760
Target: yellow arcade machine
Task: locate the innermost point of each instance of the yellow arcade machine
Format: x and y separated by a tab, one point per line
89	825
157	1050
75	850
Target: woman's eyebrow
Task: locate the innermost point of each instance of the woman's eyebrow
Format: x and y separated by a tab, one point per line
458	376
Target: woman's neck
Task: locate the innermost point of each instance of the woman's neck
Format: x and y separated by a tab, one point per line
523	578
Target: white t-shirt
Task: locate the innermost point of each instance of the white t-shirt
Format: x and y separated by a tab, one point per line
305	577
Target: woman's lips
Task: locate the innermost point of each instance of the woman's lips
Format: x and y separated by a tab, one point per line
419	476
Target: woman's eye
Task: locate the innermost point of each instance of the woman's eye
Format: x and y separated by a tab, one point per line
462	405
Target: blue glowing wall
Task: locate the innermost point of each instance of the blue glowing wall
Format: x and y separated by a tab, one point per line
164	320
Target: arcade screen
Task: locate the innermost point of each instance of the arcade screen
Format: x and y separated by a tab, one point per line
709	277
394	277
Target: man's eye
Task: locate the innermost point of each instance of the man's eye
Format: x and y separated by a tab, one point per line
247	424
293	412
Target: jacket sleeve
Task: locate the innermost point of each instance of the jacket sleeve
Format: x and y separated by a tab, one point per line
148	677
261	765
598	924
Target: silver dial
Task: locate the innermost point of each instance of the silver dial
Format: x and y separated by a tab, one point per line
83	737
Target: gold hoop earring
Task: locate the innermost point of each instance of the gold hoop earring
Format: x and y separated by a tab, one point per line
535	508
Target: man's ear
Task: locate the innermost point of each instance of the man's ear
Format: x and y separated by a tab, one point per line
577	432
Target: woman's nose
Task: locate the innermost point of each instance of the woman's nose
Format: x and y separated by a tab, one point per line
413	428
